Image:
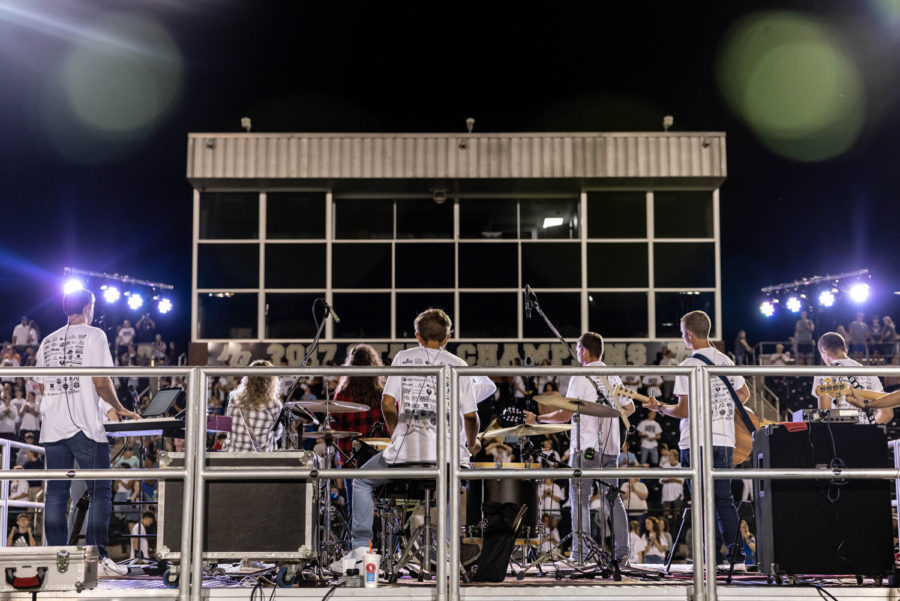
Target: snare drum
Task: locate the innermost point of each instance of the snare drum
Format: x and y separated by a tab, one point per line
519	492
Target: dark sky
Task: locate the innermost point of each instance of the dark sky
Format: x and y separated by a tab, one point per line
116	199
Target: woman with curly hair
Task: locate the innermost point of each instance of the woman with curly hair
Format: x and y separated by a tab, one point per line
361	389
254	409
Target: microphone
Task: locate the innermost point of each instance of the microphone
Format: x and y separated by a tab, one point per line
332	312
526	296
308	414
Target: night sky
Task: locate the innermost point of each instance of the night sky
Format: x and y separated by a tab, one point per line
97	98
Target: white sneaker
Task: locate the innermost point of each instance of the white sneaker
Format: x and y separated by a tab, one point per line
111	569
351	560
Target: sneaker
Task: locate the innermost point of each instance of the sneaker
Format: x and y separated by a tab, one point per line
111	569
351	560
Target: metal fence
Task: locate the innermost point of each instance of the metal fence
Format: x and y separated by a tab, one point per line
195	472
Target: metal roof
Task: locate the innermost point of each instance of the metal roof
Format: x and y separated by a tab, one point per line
333	156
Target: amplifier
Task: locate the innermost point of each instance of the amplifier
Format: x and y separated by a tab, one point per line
251	518
844	416
823	526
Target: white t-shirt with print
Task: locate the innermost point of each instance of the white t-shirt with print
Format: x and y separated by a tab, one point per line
723	410
29	421
593	429
414	440
70	403
651	428
859	382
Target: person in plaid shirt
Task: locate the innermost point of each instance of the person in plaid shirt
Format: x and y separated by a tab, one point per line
254	409
361	389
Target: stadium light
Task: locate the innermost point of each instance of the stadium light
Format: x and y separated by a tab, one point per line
164	306
72	285
135	301
110	293
826	298
859	292
767	308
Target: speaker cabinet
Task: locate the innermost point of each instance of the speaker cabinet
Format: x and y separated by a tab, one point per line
246	518
823	526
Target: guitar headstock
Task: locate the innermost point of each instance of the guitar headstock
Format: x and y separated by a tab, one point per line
833	389
622	391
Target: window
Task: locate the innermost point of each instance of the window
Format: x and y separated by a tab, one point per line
289	315
361	266
618	314
617	214
425	266
424	218
363	219
683	214
488	265
295	215
227	315
684	265
538	215
551	265
488	314
617	265
229	215
671	307
295	266
363	316
410	304
562	308
488	218
228	266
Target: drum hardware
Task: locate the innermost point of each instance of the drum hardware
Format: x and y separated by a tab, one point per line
329	407
592	408
528	430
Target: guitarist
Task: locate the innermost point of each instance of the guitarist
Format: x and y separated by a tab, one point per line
695	327
833	349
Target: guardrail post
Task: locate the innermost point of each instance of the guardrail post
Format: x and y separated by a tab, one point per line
195	391
707	488
196	443
453	508
441	486
4	495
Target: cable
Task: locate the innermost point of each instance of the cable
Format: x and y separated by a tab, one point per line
331	591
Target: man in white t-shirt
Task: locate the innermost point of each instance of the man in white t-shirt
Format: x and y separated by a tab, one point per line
695	328
650	432
410	409
20	333
833	350
599	447
71	423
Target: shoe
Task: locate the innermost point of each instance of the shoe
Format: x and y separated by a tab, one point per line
111	569
351	560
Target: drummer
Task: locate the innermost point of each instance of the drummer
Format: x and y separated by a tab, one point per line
599	447
410	411
366	390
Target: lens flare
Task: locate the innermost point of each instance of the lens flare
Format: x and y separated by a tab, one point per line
767	308
72	285
859	292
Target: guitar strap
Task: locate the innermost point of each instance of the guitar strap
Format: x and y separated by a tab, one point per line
734	397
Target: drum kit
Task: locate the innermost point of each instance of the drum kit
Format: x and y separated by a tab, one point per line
523	492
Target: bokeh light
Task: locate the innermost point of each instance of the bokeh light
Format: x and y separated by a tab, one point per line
111	294
164	306
859	292
767	308
791	79
793	304
826	298
135	301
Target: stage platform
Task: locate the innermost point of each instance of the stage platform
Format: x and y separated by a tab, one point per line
678	585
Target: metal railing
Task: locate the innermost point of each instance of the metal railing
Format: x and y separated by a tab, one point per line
5	502
195	473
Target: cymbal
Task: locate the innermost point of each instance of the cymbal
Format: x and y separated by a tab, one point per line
331	434
526	430
333	406
591	408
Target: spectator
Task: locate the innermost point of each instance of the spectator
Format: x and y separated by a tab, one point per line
127	492
21	535
631	381
128	458
634	495
550	531
30	416
780	356
654	543
743	352
550	497
140	544
635	542
158	352
888	337
125	337
653	385
672	488
171	354
28	438
33	462
874	340
149	487
549	452
858	331
749	544
34	333
650	432
803	335
20	334
146	329
8	416
626	457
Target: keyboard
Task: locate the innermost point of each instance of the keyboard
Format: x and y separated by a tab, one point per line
170	426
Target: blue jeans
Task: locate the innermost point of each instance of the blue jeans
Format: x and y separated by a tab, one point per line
61	455
726	514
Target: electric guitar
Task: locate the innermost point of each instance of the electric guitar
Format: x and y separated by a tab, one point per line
839	389
743	438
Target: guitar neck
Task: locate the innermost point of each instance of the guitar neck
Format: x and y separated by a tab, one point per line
640	398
